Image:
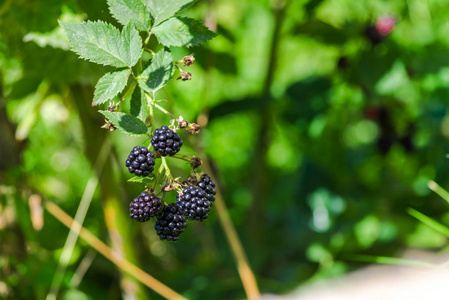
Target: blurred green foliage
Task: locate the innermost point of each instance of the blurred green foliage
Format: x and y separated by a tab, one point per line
320	141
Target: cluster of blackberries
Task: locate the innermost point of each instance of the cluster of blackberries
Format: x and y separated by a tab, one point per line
140	161
170	221
193	203
166	141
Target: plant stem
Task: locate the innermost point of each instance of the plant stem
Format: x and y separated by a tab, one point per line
149	51
164	111
158	176
167	169
151	111
128	90
185	157
147	40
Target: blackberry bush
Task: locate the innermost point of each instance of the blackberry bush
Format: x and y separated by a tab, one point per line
140	161
193	203
170	223
138	78
166	142
144	207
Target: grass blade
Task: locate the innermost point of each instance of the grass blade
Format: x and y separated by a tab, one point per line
439	190
384	260
429	222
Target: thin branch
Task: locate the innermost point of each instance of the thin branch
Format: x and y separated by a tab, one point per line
164	111
107	252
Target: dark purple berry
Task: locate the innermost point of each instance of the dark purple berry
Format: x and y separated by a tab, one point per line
140	161
166	141
144	207
170	223
194	203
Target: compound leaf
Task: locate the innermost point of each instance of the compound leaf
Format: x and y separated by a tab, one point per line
103	44
110	85
125	123
182	32
126	10
158	73
139	105
161	10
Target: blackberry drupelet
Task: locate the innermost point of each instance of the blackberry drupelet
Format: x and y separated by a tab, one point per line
140	161
166	141
193	203
170	223
208	186
144	207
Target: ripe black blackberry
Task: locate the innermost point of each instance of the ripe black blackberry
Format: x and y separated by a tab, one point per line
166	141
193	203
140	161
144	207
208	186
170	223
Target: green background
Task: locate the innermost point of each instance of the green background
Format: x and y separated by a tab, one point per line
319	140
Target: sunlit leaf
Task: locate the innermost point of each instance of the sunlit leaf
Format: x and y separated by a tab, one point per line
103	44
126	123
126	10
158	73
110	85
180	32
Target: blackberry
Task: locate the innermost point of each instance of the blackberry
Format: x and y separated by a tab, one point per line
166	141
140	161
193	203
144	207
208	186
170	223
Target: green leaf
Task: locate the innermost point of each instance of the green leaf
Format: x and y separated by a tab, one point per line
158	73
147	179
133	44
139	105
182	32
110	85
126	123
103	44
161	10
127	10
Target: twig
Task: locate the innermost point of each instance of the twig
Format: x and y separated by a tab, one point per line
107	252
164	111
